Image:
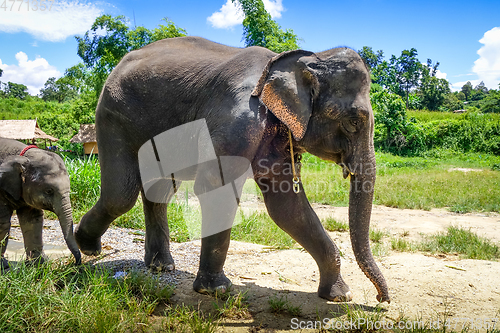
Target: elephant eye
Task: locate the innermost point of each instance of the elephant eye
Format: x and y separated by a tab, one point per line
351	125
49	191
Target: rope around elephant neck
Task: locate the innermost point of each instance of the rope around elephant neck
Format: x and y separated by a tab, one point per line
296	179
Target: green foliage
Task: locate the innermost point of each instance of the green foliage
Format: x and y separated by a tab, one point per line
371	59
332	224
392	125
259	29
432	91
85	177
110	38
63	298
59	90
282	304
395	133
401	74
13	90
259	228
233	307
455	241
491	103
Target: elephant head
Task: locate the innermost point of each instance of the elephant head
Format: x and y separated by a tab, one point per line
324	100
41	182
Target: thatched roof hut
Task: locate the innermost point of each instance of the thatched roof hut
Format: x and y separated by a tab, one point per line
87	136
23	130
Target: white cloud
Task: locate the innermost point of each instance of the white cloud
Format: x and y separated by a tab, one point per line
458	85
31	73
231	14
66	18
487	67
441	75
228	16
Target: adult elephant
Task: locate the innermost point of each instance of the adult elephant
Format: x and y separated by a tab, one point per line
251	99
33	180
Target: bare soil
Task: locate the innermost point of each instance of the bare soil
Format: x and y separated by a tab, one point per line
422	286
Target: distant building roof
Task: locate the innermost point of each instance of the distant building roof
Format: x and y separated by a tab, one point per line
23	130
85	134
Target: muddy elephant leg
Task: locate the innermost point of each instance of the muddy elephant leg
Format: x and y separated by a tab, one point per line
120	186
31	222
157	243
293	213
5	215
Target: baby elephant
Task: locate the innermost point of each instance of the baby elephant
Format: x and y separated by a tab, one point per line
32	180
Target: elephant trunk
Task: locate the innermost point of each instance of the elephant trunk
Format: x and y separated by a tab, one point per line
360	208
64	213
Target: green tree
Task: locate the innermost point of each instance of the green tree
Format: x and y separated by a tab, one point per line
479	92
109	39
491	103
371	59
467	89
16	90
59	90
406	73
140	36
432	90
259	29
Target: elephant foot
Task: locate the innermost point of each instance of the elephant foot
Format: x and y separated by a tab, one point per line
5	263
88	245
159	262
207	283
338	292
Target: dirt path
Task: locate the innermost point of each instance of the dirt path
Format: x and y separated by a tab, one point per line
422	286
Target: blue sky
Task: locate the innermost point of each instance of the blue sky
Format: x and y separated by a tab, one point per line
463	36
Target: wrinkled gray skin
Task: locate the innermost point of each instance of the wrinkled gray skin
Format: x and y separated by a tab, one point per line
30	184
250	98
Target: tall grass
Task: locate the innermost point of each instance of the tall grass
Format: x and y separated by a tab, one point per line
259	228
85	176
413	182
60	298
465	242
454	241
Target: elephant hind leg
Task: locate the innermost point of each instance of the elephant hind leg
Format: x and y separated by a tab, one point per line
120	186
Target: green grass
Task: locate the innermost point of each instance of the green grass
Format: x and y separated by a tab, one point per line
259	228
332	224
428	116
232	306
414	182
454	241
402	245
281	304
464	242
59	298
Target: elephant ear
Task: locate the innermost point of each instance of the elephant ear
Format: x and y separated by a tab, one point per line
11	175
287	87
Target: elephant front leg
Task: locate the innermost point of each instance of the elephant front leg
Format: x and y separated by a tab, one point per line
31	222
218	209
292	212
5	215
211	277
